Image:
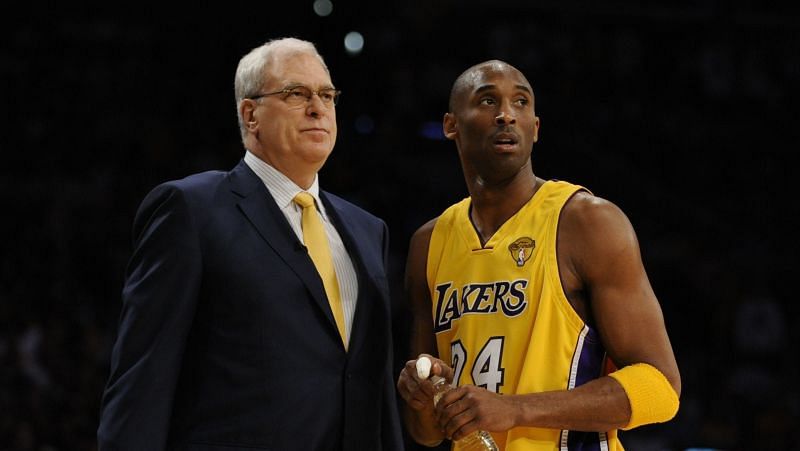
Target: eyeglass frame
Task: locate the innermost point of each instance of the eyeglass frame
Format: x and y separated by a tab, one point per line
290	88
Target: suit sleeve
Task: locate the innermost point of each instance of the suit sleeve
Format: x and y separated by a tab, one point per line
158	303
385	242
392	434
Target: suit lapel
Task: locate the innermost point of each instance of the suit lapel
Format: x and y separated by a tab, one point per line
260	209
362	259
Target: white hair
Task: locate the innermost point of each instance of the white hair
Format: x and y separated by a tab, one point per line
252	70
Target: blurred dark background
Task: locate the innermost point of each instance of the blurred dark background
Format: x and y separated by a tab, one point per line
685	114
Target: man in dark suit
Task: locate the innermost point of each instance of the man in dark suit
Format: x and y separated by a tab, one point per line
233	335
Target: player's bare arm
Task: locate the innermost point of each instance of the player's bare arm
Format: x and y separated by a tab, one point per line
601	262
418	393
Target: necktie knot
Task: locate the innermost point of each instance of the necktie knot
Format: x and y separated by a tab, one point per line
304	199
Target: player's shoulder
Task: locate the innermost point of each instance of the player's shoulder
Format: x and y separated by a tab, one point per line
446	219
590	210
591	221
423	234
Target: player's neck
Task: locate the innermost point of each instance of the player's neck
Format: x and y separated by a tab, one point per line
492	206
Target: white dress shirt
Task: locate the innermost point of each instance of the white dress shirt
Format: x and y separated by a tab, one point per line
284	190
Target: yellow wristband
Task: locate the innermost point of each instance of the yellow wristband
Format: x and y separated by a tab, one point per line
652	398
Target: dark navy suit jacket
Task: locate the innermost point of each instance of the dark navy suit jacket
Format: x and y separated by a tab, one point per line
226	340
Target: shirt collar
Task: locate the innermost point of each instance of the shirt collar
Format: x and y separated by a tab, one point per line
281	187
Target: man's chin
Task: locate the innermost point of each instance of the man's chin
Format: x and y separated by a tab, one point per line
316	153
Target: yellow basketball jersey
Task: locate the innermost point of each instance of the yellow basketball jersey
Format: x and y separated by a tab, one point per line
501	316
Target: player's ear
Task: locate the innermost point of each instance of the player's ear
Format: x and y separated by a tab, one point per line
449	126
536	124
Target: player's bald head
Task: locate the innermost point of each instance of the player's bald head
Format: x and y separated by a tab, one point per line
475	76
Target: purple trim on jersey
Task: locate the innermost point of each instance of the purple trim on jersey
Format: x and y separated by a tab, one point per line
583	441
590	366
590	363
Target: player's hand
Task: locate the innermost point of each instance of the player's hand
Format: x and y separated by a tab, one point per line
416	391
469	408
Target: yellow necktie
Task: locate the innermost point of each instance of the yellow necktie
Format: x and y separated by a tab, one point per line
317	243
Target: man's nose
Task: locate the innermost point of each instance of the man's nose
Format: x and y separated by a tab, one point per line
505	118
315	106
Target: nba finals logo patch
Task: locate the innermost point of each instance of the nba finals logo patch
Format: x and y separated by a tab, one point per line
521	250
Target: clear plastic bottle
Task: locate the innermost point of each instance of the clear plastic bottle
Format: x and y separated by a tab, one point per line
475	441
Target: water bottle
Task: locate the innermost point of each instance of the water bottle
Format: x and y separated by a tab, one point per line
476	440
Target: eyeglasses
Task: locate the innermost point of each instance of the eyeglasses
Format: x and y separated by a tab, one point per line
300	95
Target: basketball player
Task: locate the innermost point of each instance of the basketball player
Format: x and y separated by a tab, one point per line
532	294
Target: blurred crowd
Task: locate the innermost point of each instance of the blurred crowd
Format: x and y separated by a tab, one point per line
683	115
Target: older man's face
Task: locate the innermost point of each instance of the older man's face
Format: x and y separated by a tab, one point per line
296	138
